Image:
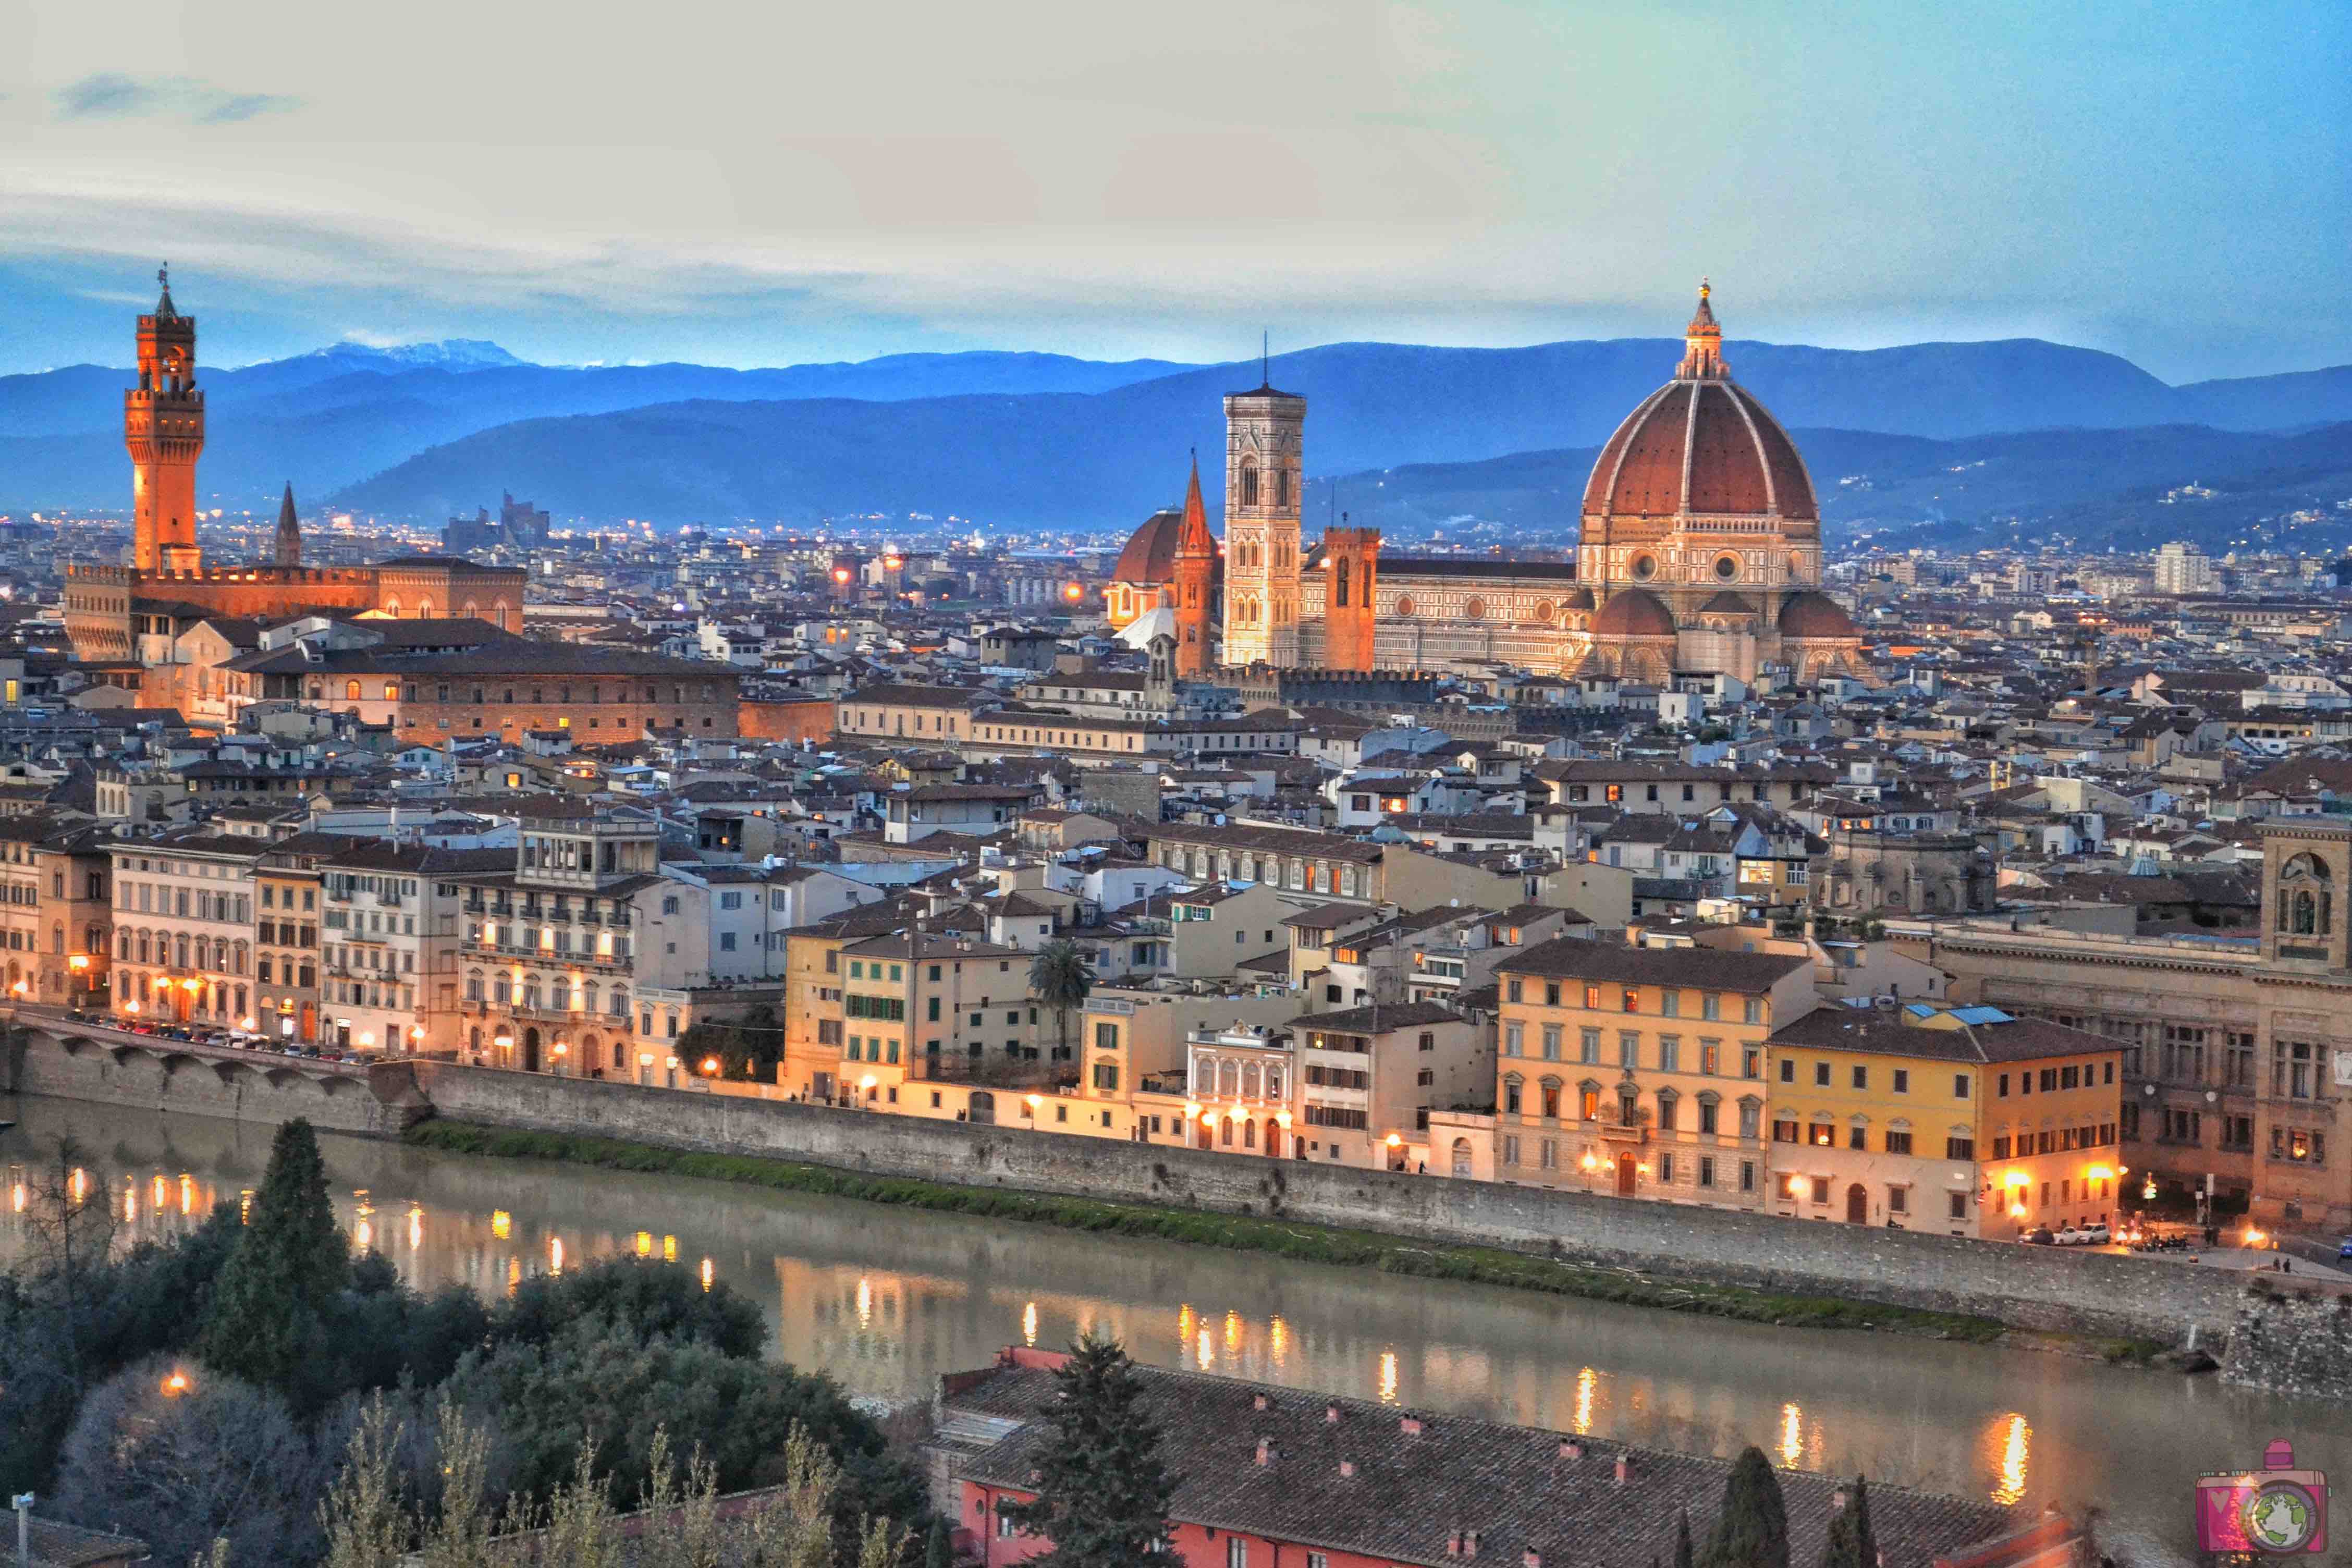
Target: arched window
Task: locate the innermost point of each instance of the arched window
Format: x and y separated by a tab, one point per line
1462	1156
1282	487
1249	483
2306	899
352	690
1339	584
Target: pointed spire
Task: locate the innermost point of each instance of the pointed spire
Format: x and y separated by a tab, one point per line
163	310
289	531
1193	537
1703	342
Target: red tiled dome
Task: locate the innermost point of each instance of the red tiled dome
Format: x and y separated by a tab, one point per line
1701	444
1633	613
1740	460
1150	554
1812	615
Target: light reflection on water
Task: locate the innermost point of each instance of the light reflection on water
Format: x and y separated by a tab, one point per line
884	1300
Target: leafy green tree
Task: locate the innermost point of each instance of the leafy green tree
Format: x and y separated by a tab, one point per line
182	1465
1753	1530
645	1298
270	1306
1851	1542
1102	1492
366	1520
1059	978
748	1048
606	1389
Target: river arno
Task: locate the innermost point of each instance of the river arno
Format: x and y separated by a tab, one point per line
882	1299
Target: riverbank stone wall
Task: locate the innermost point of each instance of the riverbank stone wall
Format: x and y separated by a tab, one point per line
2292	1341
2040	1288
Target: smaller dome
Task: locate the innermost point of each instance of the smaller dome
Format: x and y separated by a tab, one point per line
1726	604
1580	600
1633	613
1813	615
1150	554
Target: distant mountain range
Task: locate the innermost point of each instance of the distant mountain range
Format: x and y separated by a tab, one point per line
1039	439
2103	487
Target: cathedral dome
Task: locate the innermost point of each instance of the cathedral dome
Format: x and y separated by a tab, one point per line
1812	615
1702	445
1150	556
1633	613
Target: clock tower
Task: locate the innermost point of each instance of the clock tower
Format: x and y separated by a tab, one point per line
163	426
1265	453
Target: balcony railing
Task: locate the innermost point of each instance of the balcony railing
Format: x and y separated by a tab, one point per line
476	946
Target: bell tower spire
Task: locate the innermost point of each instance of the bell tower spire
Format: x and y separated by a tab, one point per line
1703	343
1195	582
164	428
288	552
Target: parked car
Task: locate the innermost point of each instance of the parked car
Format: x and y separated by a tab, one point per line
2345	1250
2038	1236
2084	1236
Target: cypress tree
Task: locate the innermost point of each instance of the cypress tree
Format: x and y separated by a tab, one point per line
1851	1544
1683	1541
1102	1492
286	1273
938	1551
1753	1530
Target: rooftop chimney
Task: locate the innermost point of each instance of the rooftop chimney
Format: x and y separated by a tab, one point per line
1569	1448
1532	1558
1838	1500
1265	1452
1347	1468
1410	1426
1259	1401
1453	1544
1470	1544
1625	1468
1330	1416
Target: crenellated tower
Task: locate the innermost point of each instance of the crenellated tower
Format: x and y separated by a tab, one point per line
1264	453
1351	559
163	426
1194	584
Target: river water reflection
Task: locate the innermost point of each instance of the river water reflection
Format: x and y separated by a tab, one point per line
884	1298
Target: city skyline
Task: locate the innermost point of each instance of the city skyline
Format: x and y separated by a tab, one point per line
1478	176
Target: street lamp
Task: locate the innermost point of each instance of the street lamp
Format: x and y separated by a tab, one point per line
175	1385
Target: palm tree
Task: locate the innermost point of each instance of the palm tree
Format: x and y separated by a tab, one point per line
1058	977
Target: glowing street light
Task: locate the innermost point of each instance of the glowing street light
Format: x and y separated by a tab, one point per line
176	1383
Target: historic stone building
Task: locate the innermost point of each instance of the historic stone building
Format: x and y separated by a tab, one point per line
1171	564
128	613
1699	550
2237	1054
